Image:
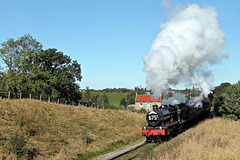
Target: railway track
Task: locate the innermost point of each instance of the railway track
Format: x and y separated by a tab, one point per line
127	151
123	152
133	148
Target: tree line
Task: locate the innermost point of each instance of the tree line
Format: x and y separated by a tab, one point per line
29	69
102	100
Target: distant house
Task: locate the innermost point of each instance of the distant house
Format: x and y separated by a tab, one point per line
146	101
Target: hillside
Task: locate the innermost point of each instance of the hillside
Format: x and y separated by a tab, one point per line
213	139
43	130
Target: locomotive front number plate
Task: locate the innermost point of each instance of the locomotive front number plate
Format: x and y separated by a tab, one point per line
153	117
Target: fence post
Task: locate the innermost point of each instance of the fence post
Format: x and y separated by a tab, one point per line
58	101
30	96
48	99
8	94
20	95
40	97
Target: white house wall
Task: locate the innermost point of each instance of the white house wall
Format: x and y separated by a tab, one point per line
146	105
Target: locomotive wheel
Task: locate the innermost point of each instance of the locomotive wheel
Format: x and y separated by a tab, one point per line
169	134
149	139
157	139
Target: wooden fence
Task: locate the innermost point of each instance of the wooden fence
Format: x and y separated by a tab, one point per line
9	95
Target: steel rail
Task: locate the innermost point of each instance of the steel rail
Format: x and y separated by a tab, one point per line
124	151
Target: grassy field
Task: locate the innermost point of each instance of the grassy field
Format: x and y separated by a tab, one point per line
114	98
43	130
213	139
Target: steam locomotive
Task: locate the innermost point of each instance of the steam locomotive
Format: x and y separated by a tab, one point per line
166	121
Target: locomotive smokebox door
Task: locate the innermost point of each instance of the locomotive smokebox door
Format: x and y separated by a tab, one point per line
153	118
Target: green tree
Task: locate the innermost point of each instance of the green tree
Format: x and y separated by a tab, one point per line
101	100
131	96
123	102
87	96
17	56
61	74
140	90
231	100
29	69
216	97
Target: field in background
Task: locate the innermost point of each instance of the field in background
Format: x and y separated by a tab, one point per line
212	139
114	98
44	130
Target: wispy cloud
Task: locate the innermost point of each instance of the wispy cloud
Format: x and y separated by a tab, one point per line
166	3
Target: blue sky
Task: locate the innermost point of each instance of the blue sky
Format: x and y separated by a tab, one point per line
109	37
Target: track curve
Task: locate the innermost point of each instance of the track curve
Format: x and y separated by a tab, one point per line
124	151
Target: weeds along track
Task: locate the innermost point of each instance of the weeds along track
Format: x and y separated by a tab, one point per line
140	149
144	150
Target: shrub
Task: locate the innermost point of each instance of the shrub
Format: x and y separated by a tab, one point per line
85	137
17	142
142	111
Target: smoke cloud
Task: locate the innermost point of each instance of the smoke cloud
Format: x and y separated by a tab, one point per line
176	99
186	45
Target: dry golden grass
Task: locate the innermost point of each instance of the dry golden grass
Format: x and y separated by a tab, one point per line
55	131
213	139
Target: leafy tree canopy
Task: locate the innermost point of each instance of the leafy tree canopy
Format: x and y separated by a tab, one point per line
101	100
216	96
231	103
123	102
30	69
131	97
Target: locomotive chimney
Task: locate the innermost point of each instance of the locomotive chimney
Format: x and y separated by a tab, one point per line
155	107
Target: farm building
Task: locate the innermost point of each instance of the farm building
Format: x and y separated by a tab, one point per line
146	101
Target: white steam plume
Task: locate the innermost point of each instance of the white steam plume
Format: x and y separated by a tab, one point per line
185	46
176	99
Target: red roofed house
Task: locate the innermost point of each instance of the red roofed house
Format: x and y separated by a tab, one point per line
146	101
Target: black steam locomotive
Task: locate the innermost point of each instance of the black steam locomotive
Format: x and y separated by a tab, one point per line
165	121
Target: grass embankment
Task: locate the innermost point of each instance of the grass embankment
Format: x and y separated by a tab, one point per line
42	130
213	139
